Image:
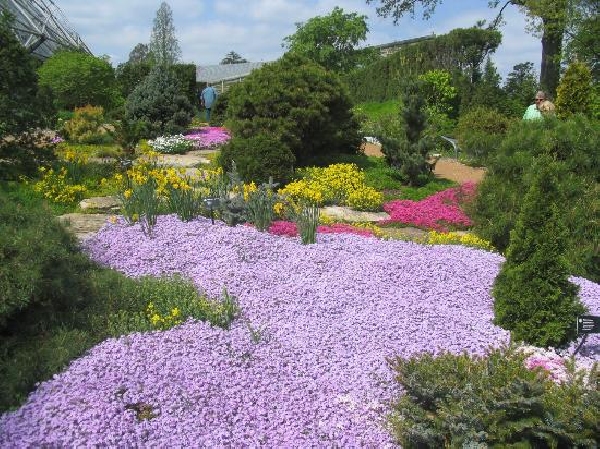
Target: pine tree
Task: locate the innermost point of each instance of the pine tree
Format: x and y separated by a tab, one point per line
533	297
163	43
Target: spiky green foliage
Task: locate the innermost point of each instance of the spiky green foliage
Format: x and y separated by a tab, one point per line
460	401
533	297
300	103
408	153
574	93
161	103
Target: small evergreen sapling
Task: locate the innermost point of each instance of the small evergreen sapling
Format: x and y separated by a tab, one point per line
533	297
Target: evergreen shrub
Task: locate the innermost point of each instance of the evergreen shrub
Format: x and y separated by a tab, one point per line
574	94
160	103
42	271
490	401
408	151
573	145
257	158
298	102
533	297
480	132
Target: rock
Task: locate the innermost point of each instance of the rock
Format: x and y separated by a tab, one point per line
347	214
84	225
101	203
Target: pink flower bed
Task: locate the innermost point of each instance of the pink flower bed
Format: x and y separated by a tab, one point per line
438	211
289	229
208	136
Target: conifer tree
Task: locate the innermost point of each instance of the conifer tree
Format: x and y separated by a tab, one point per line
163	43
574	93
533	297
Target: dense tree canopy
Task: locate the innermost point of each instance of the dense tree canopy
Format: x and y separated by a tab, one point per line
330	41
78	79
549	19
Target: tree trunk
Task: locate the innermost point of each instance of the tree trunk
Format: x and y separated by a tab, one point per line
551	54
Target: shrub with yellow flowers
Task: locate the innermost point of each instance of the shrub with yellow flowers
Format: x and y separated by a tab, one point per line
455	238
163	322
58	187
342	184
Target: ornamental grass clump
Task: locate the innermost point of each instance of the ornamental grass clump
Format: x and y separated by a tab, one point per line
307	221
260	203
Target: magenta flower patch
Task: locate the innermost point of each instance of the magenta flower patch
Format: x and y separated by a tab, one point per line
208	136
438	212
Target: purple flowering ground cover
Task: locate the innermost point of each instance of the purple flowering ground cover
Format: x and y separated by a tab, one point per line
305	366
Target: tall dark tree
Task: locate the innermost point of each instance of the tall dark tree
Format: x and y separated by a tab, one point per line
163	43
21	102
233	58
550	18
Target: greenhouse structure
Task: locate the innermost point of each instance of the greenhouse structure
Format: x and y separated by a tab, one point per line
42	27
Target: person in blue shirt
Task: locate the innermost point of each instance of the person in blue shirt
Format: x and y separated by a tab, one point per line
207	98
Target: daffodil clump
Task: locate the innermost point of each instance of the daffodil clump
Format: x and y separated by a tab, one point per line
57	186
456	238
148	187
342	184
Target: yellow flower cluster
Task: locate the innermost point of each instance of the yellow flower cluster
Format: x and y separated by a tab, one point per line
455	238
55	186
365	198
161	322
342	184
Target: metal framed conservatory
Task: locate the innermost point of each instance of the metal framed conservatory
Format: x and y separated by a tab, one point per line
42	27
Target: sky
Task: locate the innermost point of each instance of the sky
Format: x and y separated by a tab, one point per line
207	30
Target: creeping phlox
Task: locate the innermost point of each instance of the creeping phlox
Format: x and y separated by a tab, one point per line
342	184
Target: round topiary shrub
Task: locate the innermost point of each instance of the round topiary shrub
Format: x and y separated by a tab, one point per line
301	103
257	158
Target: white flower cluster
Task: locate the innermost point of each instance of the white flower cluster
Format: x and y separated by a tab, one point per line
171	144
